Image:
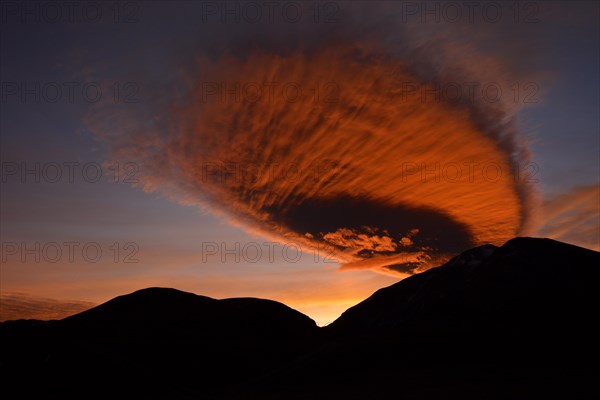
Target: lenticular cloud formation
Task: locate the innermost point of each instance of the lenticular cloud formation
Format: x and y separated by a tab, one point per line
368	156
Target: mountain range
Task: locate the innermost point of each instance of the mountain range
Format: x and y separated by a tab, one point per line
509	322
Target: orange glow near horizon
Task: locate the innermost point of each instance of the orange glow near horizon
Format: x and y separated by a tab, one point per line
320	293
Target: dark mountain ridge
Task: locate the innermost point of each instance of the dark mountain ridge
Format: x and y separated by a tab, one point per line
158	308
516	321
534	281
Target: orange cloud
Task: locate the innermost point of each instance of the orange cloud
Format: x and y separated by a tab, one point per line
372	148
341	150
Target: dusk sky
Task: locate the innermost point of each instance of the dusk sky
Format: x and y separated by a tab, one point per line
309	153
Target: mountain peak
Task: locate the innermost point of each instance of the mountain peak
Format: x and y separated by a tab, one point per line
481	281
473	258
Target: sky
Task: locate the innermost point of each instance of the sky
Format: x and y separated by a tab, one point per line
305	152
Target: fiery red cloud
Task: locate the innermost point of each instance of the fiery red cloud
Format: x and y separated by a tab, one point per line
343	148
370	170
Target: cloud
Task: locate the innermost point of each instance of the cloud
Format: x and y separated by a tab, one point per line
363	242
574	217
17	305
345	140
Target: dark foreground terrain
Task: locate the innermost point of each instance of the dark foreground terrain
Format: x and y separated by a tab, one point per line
510	322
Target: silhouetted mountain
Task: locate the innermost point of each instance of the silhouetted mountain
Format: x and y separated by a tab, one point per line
172	310
516	321
544	285
153	342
